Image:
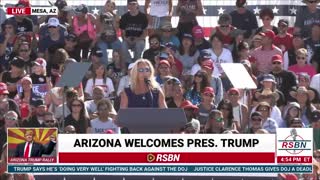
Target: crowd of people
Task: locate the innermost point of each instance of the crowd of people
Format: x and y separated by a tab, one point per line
180	69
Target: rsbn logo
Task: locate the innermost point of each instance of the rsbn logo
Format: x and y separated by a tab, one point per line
294	143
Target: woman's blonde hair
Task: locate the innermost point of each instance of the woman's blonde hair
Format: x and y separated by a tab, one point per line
302	51
134	74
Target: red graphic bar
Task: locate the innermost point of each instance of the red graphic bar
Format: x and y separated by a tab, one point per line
294	159
17	160
19	11
268	157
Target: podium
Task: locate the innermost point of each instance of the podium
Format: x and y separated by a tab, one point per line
151	120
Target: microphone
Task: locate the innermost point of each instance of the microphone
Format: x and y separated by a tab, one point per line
148	82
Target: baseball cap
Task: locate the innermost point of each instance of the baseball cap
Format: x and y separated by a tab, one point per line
38	103
269	77
187	36
53	22
205	54
208	64
241	3
40	62
256	113
132	1
277	58
174	80
82	8
171	46
17	62
96	51
268	33
197	32
233	91
165	62
163	55
26	78
3	88
188	105
283	22
208	90
315	116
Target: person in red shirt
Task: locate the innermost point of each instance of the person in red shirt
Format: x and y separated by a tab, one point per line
283	40
224	29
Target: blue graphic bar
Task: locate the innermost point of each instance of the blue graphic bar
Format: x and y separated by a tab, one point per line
176	169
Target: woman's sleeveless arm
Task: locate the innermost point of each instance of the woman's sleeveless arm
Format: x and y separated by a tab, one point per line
124	100
161	101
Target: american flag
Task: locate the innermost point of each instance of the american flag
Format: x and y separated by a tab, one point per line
212	8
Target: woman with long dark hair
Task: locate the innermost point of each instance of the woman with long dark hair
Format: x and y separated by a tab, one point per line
188	55
225	106
200	81
100	79
78	117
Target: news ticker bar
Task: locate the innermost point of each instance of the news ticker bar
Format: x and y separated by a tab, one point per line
160	169
167	157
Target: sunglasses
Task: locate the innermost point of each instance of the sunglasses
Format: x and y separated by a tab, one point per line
256	119
300	57
224	26
198	75
23	50
276	62
76	105
154	42
166	30
52	27
141	70
49	121
8	27
264	109
266	19
220	119
312	1
11	118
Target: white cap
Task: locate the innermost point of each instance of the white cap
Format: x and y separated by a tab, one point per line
53	22
130	66
41	62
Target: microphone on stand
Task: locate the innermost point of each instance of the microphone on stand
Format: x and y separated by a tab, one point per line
148	82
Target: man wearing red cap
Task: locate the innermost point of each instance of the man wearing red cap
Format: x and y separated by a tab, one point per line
264	53
285	79
199	40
